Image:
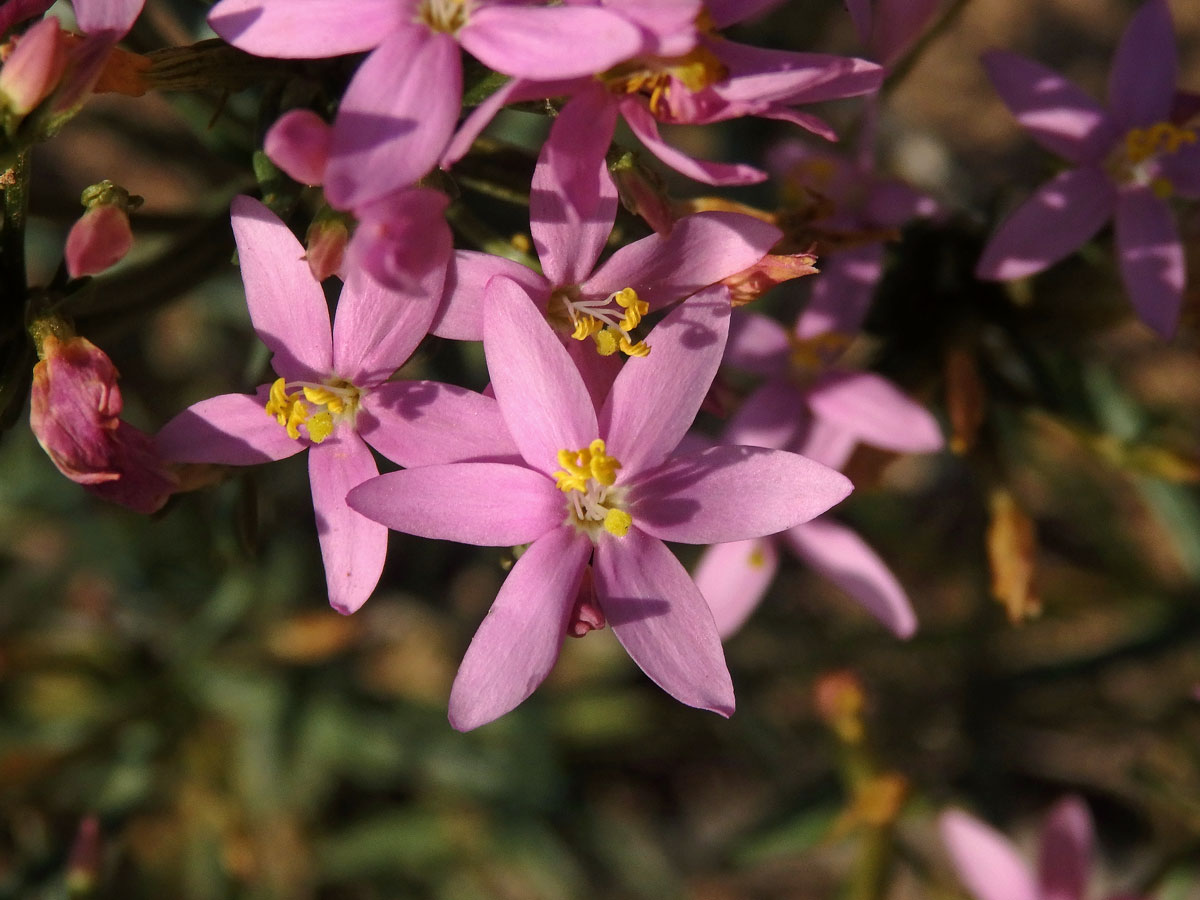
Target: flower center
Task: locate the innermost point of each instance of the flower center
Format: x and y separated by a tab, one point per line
607	322
445	15
659	78
319	407
810	356
1136	159
587	478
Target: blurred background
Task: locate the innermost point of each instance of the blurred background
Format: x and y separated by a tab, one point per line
182	715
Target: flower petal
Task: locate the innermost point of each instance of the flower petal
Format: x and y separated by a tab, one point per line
287	305
115	17
701	250
573	201
1141	83
732	493
841	297
760	76
353	548
985	860
518	642
487	504
877	411
1053	109
655	399
546	43
426	423
299	144
229	430
662	621
1066	853
770	417
396	117
733	577
844	558
305	29
1059	218
642	124
1151	257
377	328
461	315
757	344
542	397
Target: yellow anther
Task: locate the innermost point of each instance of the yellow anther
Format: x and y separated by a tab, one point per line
318	407
757	558
1161	137
617	522
635	308
601	466
585	327
640	349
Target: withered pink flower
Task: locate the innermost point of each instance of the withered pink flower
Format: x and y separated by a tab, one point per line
75	413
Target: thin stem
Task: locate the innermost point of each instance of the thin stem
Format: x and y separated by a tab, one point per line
12	238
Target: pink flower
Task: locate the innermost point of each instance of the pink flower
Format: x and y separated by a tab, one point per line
75	413
602	487
991	868
824	420
402	104
715	81
572	207
333	396
1128	159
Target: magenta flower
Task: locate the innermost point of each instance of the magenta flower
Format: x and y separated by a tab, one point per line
333	396
572	208
823	414
992	869
715	81
401	106
75	414
600	487
1127	160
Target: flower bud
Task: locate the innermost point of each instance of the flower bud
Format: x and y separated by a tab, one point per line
74	411
326	243
102	236
33	68
643	193
772	269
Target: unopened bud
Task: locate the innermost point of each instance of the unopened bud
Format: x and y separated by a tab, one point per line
840	701
74	412
326	243
102	236
750	284
1012	551
587	614
33	68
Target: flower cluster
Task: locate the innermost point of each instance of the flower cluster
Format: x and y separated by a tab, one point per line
601	351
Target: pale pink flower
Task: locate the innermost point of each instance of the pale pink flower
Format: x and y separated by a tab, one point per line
1127	160
601	487
333	396
992	869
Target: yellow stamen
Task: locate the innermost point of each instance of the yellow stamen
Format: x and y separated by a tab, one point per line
587	476
318	407
1161	137
606	342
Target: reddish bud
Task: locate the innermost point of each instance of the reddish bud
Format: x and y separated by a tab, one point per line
74	411
326	245
752	283
643	193
102	236
33	68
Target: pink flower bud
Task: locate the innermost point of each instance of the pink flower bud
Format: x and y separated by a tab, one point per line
772	269
74	412
326	245
100	239
33	68
299	144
